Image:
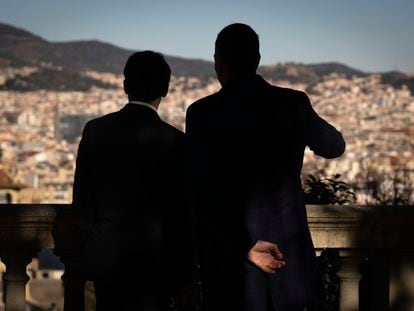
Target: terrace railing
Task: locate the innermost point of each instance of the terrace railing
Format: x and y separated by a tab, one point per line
366	253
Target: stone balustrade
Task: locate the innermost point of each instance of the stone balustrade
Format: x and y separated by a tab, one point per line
25	229
375	243
375	247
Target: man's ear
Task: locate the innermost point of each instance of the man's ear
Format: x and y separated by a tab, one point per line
217	61
258	59
219	66
165	91
125	87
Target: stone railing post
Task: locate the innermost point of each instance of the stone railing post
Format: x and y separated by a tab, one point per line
2	306
401	285
68	240
16	278
349	275
73	281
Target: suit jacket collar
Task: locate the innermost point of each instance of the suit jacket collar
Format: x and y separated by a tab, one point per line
143	104
140	109
244	82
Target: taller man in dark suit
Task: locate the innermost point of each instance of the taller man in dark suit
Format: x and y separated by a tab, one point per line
129	192
247	144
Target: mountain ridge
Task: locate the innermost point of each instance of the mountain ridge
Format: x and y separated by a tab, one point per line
19	47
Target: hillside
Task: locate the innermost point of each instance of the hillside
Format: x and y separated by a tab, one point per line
67	61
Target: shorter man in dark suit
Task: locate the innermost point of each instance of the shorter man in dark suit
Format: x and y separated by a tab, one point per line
129	192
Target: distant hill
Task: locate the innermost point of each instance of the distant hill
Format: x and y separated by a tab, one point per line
397	79
56	80
19	47
65	61
309	74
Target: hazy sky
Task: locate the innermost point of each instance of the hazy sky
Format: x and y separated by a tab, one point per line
373	35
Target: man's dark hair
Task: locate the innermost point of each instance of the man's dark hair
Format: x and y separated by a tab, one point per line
147	76
238	46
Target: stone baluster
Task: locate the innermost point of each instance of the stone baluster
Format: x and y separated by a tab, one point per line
16	278
401	283
73	281
350	276
2	306
68	241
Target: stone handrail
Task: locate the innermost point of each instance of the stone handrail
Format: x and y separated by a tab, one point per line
357	232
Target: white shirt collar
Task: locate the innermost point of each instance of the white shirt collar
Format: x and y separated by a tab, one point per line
135	102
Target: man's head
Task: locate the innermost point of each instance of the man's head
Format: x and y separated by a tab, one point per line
147	76
236	52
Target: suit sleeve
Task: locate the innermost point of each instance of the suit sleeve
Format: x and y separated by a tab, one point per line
83	202
321	137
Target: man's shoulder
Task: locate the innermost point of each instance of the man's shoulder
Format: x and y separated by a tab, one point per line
287	92
172	129
203	103
99	124
102	120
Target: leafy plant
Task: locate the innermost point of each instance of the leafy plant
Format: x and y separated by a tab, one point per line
322	190
389	188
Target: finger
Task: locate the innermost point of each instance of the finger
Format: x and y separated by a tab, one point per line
276	252
275	264
265	261
263	246
271	262
268	247
262	260
279	255
268	270
281	264
272	248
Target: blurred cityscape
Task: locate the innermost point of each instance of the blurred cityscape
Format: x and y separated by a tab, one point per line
40	130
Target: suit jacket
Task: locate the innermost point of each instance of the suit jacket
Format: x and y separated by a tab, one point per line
246	148
129	193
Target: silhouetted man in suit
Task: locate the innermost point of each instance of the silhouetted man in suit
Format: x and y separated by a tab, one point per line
129	192
247	144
